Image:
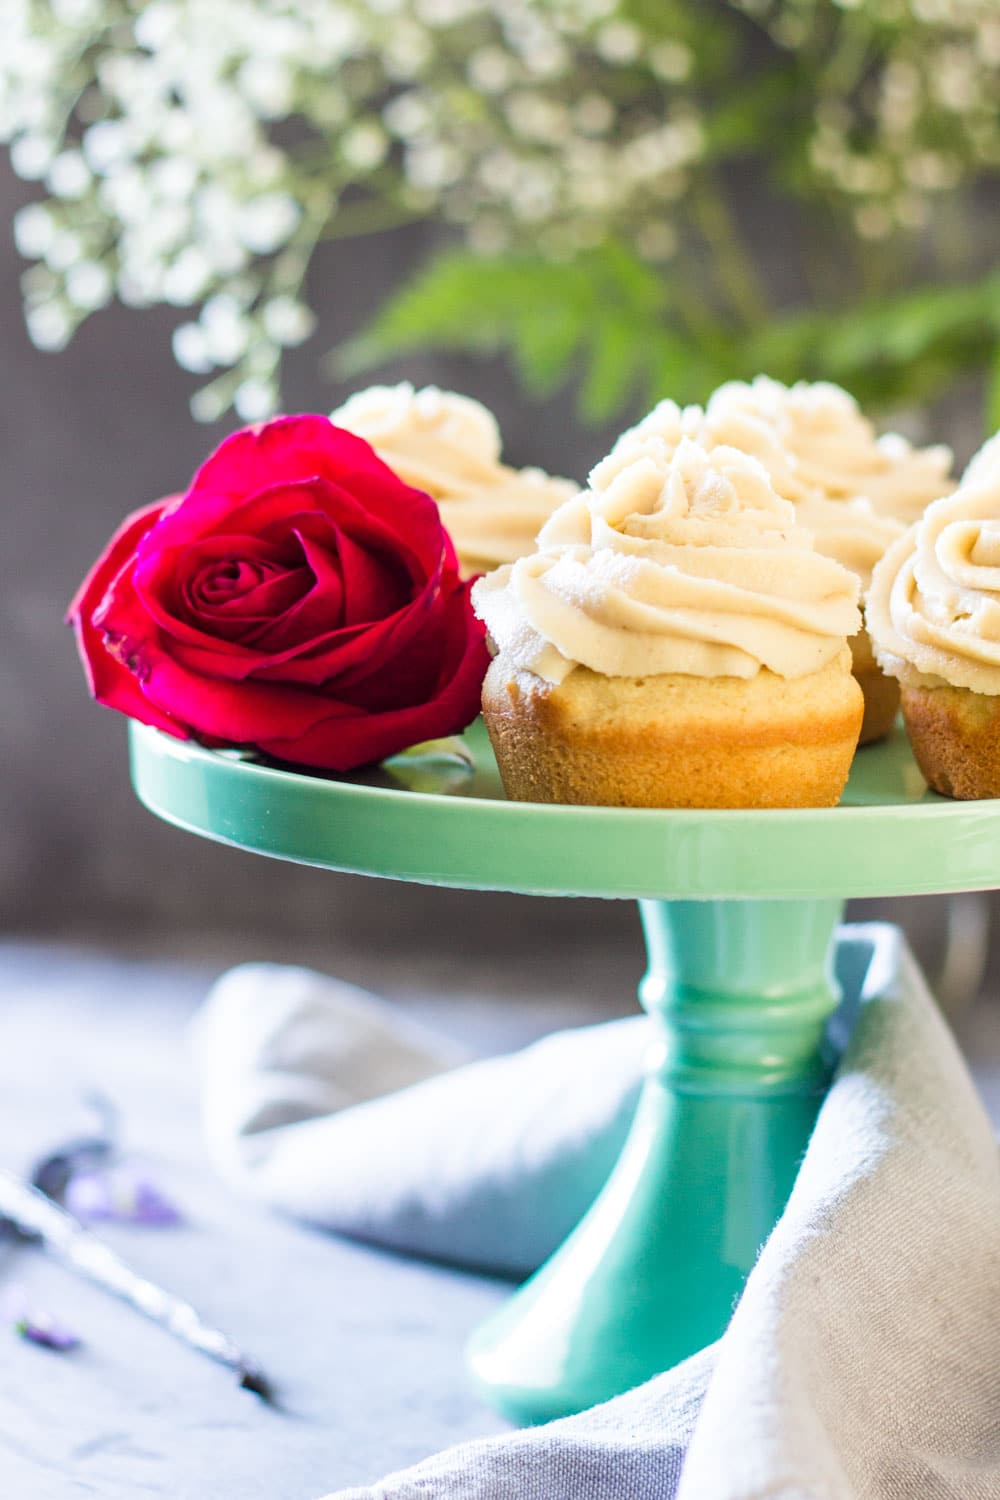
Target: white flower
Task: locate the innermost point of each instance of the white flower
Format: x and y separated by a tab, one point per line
226	328
76	12
187	278
173	177
30	156
49	326
106	145
208	404
64	249
490	69
68	175
619	41
267	222
33	230
364	146
191	349
287	321
255	399
672	61
269	86
88	285
433	166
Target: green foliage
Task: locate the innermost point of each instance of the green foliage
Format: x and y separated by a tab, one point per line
629	337
555	319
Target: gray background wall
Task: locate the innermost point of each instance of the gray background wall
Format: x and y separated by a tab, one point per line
88	435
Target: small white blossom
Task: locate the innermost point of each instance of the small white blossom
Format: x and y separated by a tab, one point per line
191	349
68	175
89	285
490	69
226	328
287	321
106	145
672	61
187	278
619	41
265	223
50	326
34	230
30	156
269	86
364	146
208	404
255	400
65	248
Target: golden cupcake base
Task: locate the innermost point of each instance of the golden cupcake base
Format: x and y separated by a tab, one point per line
673	740
881	692
955	737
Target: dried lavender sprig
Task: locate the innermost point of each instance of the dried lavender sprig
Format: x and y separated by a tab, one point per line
36	1217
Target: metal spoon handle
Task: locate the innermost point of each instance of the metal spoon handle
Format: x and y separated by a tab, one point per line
37	1217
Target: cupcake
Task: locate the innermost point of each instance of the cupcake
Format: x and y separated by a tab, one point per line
836	450
449	446
854	490
934	616
675	641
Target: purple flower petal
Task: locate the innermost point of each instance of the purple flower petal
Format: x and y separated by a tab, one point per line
124	1194
88	1196
39	1328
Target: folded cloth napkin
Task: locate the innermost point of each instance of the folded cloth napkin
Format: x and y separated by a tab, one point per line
325	1103
863	1359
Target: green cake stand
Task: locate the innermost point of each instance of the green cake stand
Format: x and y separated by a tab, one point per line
738	910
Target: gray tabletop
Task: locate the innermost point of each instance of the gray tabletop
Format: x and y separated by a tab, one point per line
366	1348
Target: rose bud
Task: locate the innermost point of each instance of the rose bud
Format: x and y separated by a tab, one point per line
299	598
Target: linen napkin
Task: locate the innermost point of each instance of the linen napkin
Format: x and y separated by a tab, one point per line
863	1359
323	1102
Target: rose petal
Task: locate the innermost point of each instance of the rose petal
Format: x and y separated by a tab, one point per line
108	678
374	584
158	580
283	449
355	652
292	449
350	588
342	741
238	713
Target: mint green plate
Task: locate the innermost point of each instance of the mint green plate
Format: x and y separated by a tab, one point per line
889	836
738	910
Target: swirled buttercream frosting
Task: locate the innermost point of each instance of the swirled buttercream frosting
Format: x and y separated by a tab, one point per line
449	446
933	609
817	448
835	450
679	559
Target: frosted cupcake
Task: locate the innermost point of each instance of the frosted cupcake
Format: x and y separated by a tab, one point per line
674	642
934	615
836	449
449	446
854	490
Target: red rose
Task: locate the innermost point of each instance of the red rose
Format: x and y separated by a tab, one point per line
299	598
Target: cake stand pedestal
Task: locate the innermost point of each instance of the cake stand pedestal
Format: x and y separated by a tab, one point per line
738	910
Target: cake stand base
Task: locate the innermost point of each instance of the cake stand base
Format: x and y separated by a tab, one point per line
740	992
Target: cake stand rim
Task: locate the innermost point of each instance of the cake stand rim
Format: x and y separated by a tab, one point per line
690	836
